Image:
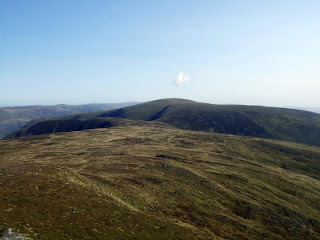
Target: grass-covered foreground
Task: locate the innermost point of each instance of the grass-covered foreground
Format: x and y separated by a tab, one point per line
157	182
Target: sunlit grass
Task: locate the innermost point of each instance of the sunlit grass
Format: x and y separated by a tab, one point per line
157	182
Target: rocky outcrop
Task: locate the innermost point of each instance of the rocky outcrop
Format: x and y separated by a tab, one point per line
8	234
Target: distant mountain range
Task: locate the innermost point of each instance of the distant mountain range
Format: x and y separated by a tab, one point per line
14	118
263	122
314	109
309	109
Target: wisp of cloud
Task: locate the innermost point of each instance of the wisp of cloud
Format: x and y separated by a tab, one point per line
181	78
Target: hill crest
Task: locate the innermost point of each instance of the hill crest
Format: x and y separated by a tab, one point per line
257	121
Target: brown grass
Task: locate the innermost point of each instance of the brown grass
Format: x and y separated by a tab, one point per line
156	182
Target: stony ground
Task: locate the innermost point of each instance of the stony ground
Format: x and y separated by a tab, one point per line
8	234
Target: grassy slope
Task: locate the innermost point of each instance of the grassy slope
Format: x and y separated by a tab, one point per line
144	111
14	118
266	122
156	182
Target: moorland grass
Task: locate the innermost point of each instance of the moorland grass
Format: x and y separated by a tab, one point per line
157	182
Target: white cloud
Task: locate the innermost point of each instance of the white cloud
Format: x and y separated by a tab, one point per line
181	78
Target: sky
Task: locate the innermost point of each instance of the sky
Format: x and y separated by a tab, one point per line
215	51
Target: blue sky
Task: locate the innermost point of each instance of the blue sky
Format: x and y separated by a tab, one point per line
239	52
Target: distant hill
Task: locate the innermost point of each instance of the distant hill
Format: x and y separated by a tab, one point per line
313	109
13	118
257	121
310	109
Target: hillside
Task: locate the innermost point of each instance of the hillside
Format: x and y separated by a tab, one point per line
265	122
313	109
152	181
14	118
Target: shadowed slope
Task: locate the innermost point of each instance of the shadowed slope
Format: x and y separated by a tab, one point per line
69	125
265	122
13	118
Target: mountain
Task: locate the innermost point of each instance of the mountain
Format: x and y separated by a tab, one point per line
154	181
13	118
313	109
310	109
257	121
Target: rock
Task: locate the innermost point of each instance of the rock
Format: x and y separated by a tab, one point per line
8	234
74	209
7	231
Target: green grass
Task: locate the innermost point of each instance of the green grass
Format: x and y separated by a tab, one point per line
153	181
